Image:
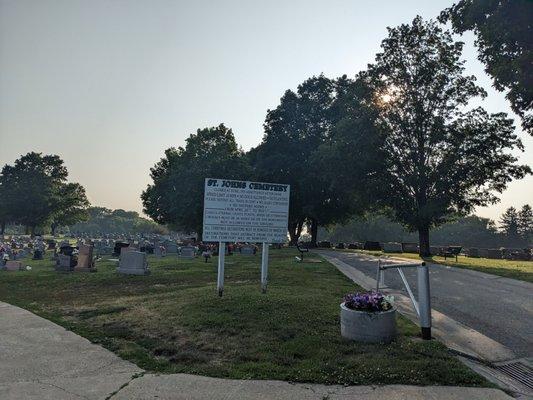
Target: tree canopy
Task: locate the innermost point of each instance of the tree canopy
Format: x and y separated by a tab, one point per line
504	30
35	192
176	195
298	148
440	158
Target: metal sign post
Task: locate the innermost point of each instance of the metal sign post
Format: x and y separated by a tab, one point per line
264	268
221	256
424	301
423	305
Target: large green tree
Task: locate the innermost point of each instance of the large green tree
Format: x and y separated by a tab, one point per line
36	193
72	205
504	38
440	157
289	153
349	161
176	195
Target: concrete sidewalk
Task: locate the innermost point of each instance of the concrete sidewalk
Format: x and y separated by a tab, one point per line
41	360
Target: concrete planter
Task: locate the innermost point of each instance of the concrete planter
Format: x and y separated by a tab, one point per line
369	327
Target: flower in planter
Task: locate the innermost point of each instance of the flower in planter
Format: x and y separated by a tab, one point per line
368	301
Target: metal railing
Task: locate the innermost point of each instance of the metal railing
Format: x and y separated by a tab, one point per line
423	305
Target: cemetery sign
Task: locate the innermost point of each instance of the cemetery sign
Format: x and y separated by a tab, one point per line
245	211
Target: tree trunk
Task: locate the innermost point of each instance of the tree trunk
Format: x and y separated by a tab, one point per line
423	241
26	230
295	230
53	228
292	234
314	232
199	233
2	228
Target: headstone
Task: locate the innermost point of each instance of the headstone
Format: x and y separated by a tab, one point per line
495	254
13	265
65	263
126	250
133	263
171	247
472	252
374	246
85	259
159	251
483	253
410	247
248	250
117	250
435	250
392	247
188	252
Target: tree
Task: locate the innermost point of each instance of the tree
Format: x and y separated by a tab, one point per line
439	158
176	195
350	158
525	222
504	31
36	193
72	206
509	223
288	153
31	184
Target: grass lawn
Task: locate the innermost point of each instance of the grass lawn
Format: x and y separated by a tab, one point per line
522	270
173	321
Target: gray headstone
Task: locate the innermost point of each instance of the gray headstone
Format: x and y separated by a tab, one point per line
64	263
187	252
247	250
171	247
392	247
133	263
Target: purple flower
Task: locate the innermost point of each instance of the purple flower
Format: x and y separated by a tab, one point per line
368	301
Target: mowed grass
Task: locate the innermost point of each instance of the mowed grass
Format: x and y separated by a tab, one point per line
173	321
521	270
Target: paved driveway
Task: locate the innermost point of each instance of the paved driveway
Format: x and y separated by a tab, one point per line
499	308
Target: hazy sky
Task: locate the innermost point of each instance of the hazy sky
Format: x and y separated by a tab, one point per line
109	85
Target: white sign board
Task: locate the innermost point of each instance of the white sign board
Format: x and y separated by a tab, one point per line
244	211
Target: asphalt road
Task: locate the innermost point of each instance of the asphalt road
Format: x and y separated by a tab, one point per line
497	307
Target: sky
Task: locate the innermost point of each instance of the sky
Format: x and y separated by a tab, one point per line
108	85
